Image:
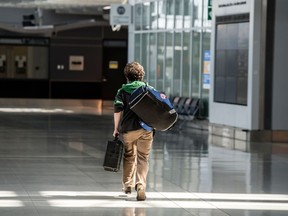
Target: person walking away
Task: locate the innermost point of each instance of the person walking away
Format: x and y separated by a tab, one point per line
137	140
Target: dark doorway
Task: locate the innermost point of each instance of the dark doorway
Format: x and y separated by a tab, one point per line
114	61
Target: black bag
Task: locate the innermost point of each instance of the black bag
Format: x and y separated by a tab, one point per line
153	108
113	155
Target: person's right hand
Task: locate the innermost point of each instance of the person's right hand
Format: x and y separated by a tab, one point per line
115	133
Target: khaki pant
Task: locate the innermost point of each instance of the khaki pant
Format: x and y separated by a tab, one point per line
137	146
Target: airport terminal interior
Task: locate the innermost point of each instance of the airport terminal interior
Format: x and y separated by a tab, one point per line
61	64
52	156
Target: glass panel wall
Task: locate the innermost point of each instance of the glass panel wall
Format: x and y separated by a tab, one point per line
186	64
206	48
161	16
169	64
198	13
177	64
153	15
196	73
152	59
145	16
138	17
170	17
160	60
188	13
137	48
178	14
171	37
144	54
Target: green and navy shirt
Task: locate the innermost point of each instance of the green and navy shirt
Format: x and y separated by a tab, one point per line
129	120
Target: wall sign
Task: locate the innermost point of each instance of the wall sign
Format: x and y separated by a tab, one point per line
230	4
120	14
76	63
209	10
206	69
113	64
223	7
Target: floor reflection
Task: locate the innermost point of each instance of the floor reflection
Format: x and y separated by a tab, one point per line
134	212
51	164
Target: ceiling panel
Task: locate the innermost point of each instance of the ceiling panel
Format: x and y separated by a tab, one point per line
57	4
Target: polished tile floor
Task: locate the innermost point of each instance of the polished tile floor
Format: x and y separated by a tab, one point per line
51	165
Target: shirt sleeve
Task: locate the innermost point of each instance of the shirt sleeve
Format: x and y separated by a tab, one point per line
118	102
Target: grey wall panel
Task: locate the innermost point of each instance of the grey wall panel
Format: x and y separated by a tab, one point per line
109	34
241	106
59	63
89	32
280	74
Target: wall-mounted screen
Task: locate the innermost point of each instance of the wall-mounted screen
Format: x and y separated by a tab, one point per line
231	59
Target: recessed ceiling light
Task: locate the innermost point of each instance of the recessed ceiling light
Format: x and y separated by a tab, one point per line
108	7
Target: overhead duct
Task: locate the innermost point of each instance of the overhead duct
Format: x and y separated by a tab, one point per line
78	7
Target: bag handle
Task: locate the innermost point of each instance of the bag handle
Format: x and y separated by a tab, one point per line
116	138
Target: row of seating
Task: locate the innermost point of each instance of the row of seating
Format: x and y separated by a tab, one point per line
186	107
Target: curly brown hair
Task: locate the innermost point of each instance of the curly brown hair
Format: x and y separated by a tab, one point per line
134	71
